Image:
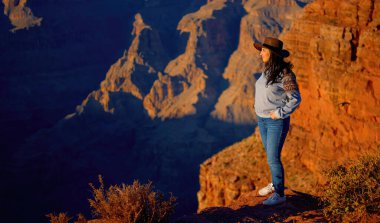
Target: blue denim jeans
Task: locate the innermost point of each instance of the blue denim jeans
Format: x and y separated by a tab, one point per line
273	134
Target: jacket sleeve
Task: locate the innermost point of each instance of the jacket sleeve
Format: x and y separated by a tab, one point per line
293	96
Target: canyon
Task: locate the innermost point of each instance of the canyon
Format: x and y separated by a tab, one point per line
177	105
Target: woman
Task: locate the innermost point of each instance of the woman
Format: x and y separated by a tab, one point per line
276	97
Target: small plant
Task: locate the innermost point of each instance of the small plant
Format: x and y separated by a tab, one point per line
353	190
131	204
60	218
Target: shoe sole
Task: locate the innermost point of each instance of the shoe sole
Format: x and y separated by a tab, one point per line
263	195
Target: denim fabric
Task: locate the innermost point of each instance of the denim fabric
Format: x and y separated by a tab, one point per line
273	133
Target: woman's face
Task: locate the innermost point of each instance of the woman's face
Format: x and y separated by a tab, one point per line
265	54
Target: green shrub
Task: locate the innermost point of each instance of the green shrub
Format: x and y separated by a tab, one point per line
352	192
131	203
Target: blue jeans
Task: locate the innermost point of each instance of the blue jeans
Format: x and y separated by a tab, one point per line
273	134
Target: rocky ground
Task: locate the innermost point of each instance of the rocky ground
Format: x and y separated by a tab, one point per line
299	207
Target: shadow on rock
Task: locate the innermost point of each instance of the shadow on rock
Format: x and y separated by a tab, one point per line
299	207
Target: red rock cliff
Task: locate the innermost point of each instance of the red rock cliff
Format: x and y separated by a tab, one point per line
335	49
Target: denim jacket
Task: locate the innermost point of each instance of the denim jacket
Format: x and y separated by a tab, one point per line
282	98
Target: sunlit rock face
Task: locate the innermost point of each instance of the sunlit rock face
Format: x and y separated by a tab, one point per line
20	16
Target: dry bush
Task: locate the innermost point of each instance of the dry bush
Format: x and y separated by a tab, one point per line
353	191
63	218
60	218
81	219
134	203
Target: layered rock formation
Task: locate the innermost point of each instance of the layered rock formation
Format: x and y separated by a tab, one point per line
191	79
134	72
194	77
20	15
191	84
335	48
340	118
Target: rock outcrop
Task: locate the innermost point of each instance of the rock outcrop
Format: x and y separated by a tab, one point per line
335	48
134	73
193	79
20	15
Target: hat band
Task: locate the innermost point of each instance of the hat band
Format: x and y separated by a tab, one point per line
272	47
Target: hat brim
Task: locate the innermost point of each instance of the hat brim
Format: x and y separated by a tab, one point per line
282	53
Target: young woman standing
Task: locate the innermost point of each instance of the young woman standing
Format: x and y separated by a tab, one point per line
276	97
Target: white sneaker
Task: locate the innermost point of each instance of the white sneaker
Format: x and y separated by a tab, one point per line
275	199
266	190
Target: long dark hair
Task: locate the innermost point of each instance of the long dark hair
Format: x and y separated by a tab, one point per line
274	66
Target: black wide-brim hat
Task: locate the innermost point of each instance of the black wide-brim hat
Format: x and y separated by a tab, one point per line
275	45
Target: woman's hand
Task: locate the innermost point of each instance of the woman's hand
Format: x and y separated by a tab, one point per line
273	115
